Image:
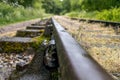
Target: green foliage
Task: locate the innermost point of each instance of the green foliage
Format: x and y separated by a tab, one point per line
91	5
73	14
66	6
25	3
75	5
52	6
95	9
10	13
111	15
38	40
82	14
17	10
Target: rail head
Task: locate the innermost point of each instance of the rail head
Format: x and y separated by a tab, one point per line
107	23
75	62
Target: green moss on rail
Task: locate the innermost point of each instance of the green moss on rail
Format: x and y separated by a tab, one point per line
38	40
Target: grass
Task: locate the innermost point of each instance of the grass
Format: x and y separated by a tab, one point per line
12	14
82	14
109	15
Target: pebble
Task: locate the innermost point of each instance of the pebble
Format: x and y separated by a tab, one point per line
8	63
1	66
11	62
19	56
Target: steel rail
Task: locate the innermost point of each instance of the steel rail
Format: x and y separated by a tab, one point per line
102	21
98	21
75	62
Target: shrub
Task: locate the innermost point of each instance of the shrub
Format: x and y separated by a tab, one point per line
10	13
111	15
73	14
82	14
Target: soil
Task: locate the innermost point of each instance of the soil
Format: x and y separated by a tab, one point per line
12	28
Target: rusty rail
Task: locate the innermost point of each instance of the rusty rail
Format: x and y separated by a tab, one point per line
75	62
99	21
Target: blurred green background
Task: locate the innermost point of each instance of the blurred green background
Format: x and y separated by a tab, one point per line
19	10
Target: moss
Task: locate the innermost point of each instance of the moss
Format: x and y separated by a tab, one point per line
28	33
17	47
14	75
55	75
38	40
14	46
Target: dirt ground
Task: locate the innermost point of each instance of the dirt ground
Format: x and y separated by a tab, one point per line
10	30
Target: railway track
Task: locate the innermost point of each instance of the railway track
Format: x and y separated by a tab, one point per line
17	51
61	59
99	40
99	21
115	25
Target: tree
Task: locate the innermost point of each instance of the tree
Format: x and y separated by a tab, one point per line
91	5
52	6
75	5
66	5
25	3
